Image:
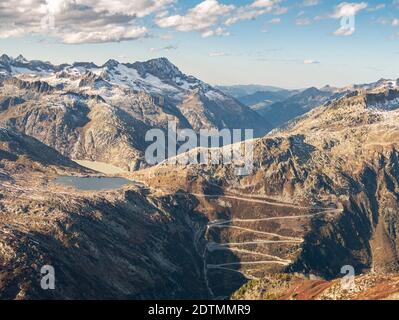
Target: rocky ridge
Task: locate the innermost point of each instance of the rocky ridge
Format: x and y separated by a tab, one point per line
337	165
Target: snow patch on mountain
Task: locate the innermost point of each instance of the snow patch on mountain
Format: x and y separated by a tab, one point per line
386	104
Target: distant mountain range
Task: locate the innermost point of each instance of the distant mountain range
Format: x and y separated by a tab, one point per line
278	106
238	91
101	113
295	105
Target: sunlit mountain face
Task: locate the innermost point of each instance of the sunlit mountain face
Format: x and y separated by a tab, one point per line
205	150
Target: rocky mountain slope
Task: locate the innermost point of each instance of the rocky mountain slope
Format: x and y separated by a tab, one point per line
263	99
297	287
19	147
283	111
282	106
125	244
101	113
323	194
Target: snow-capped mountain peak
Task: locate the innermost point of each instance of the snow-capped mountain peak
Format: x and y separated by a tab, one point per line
20	65
161	68
111	64
5	58
158	80
380	85
21	59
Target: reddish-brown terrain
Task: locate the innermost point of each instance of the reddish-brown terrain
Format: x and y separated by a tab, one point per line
294	287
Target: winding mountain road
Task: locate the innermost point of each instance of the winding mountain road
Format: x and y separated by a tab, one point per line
235	246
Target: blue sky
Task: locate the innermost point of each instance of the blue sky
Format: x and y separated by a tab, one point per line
292	44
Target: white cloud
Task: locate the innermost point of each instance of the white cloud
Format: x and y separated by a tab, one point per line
346	9
382	21
300	13
254	10
92	21
106	34
275	21
221	32
377	7
310	3
166	36
200	18
303	22
78	21
243	14
139	8
207	16
310	61
281	10
264	3
395	36
162	14
344	31
166	48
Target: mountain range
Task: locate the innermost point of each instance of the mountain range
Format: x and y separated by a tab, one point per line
238	91
101	113
323	194
279	106
262	99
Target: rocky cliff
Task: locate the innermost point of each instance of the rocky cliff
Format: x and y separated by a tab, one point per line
125	244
